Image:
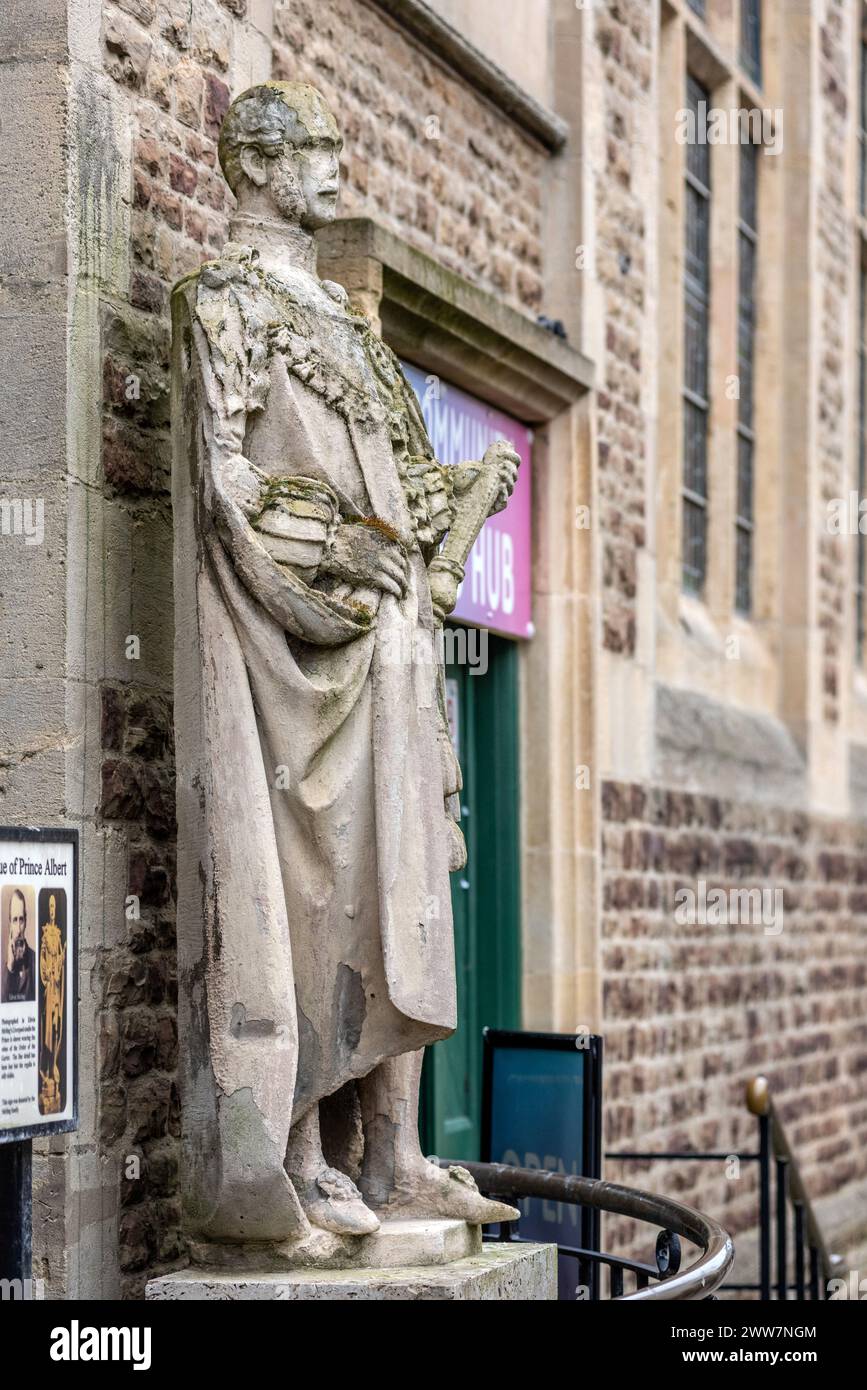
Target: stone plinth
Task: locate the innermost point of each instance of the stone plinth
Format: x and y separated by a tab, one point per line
515	1273
408	1242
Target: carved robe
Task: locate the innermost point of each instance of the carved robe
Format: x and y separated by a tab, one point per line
315	926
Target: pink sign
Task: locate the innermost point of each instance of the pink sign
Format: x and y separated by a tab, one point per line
496	592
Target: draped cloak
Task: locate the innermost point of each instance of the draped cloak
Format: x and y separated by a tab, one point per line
315	932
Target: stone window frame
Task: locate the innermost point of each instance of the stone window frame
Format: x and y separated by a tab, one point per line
694	631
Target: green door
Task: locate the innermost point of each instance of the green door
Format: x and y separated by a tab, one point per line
483	711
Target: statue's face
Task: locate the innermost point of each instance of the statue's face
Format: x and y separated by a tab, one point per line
305	183
52	908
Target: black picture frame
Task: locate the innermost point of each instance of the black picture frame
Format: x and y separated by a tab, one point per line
27	834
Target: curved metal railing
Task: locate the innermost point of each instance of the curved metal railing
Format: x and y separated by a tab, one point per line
699	1280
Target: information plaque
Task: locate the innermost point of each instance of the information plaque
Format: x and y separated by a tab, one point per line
38	982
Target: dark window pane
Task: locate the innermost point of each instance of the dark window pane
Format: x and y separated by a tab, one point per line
697	239
695	449
695	346
698	6
696	323
746	275
751	38
694	545
746	401
745	479
749	182
744	570
698	150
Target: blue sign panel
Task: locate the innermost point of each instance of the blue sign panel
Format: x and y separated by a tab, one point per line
541	1109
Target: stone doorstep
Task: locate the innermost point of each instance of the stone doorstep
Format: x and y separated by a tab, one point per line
512	1273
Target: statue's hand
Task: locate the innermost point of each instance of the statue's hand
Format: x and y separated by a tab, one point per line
445	578
364	554
243	483
503	457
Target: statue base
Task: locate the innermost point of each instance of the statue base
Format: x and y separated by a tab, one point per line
399	1241
494	1272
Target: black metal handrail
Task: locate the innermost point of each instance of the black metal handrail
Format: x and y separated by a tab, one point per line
813	1264
699	1280
806	1232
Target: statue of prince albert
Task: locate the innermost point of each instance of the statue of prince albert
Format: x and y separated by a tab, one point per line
318	547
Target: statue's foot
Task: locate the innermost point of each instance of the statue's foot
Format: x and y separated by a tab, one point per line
425	1189
332	1201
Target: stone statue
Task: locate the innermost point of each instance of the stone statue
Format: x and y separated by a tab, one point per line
318	547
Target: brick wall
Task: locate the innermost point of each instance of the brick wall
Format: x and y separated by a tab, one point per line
175	69
138	1041
692	1012
623	32
424	155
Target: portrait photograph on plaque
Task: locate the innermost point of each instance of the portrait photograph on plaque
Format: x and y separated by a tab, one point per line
18	980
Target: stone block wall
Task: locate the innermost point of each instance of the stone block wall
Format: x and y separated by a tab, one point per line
692	1012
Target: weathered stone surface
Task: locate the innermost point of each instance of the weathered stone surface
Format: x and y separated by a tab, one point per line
500	1273
321	588
703	743
397	1242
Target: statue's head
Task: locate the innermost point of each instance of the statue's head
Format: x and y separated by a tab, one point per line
279	148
